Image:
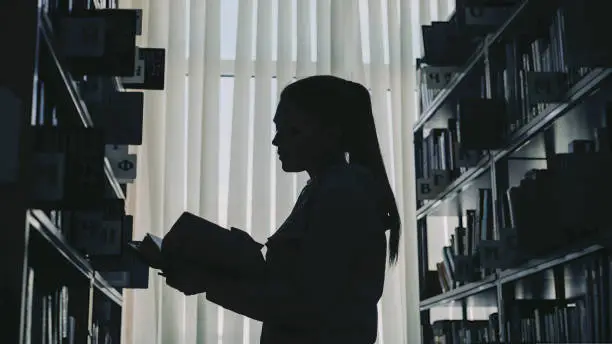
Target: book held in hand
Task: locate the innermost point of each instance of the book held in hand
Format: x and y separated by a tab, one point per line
195	241
149	249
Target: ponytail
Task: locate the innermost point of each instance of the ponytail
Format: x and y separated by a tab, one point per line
347	105
361	142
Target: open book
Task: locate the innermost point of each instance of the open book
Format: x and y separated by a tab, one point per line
210	247
149	250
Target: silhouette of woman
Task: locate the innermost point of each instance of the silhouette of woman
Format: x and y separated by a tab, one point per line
325	266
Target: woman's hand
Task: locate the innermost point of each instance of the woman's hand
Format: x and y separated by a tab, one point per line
189	281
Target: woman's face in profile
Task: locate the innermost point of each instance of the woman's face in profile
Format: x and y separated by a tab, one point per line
299	140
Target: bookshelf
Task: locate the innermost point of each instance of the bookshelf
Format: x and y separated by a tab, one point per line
62	212
511	153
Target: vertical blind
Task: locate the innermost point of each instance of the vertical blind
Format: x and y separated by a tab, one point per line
207	137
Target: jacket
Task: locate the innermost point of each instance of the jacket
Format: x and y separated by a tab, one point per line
324	267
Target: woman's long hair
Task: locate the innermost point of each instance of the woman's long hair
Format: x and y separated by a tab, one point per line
347	106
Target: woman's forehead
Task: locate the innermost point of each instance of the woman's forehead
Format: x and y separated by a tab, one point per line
286	111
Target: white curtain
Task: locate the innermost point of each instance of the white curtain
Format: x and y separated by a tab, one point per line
207	137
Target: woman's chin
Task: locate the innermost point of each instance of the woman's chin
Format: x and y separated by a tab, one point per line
291	168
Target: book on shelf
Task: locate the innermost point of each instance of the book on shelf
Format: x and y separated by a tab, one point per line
460	260
67	168
99	42
445	44
127	271
121	117
125	267
149	71
584	49
118	114
481	123
99	231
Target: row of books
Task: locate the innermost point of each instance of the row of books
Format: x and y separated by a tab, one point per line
581	318
559	205
549	209
529	321
448	45
96	46
550	321
443	154
533	70
106	322
50	316
54	316
466	332
452	42
460	260
79	47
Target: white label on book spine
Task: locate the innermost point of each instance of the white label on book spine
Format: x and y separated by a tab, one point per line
83	37
437	78
10	112
124	168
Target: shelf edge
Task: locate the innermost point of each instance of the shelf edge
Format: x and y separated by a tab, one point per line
41	222
43	225
458	293
538	265
102	285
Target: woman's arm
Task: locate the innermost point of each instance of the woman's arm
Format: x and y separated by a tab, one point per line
342	220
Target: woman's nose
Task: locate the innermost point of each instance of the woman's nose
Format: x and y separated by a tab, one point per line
275	140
